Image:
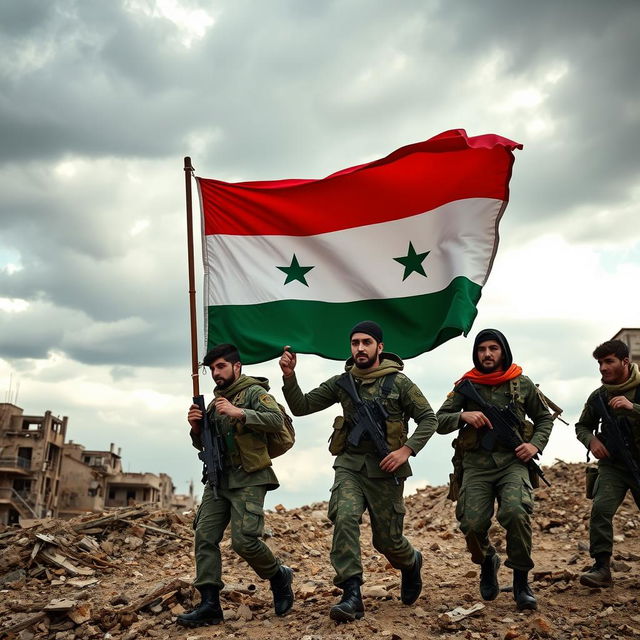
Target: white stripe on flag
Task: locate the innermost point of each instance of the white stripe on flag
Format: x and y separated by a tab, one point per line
460	237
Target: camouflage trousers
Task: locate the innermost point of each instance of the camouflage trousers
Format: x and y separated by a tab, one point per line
243	508
511	487
352	493
609	491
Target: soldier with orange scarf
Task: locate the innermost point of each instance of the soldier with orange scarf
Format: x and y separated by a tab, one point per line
493	472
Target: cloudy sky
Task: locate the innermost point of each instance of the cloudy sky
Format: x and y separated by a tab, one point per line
100	101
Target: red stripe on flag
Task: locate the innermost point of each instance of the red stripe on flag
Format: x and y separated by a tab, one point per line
412	180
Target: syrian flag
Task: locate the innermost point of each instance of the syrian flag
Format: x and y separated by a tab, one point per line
407	241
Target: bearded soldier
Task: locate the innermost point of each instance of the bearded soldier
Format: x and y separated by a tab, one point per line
243	413
492	471
618	458
369	470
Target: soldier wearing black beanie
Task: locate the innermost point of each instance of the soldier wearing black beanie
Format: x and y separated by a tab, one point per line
365	478
369	327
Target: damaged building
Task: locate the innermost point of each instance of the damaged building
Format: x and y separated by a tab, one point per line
42	476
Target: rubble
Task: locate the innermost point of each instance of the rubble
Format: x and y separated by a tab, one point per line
127	574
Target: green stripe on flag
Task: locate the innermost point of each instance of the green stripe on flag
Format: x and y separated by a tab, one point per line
411	325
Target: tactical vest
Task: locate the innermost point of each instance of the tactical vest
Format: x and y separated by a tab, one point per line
469	438
254	450
395	430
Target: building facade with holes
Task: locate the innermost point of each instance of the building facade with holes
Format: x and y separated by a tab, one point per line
30	462
43	476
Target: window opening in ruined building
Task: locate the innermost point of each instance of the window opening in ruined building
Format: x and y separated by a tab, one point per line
24	457
22	486
31	426
52	454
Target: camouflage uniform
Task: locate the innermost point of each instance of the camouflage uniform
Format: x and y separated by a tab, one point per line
497	474
241	492
613	478
359	482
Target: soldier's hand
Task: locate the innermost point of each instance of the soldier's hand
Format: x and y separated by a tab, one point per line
395	459
526	451
476	419
598	449
287	362
620	402
225	408
194	417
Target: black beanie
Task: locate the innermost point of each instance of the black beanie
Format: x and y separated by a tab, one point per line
493	334
369	327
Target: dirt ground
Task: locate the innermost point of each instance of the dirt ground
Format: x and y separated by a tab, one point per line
126	574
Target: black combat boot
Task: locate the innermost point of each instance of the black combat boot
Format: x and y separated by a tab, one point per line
600	574
489	587
207	612
282	592
350	606
522	593
411	585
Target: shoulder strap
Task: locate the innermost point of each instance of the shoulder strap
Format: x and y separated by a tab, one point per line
387	384
514	385
592	401
347	383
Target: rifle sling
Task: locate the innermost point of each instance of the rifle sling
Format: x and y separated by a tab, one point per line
347	383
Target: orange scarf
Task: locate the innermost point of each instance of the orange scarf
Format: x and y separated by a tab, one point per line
492	379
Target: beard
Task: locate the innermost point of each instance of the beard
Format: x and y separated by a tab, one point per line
223	383
365	364
489	367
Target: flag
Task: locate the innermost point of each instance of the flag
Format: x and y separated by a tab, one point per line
407	241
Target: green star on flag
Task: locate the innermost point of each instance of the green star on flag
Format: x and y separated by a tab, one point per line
295	272
412	262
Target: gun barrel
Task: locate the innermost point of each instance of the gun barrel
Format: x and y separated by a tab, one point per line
550	404
210	455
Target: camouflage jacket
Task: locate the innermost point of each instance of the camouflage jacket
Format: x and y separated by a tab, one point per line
589	420
527	404
261	415
404	401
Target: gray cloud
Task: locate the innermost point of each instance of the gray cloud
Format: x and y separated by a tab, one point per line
22	18
99	102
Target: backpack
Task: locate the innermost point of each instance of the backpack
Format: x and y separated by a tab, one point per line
281	441
277	442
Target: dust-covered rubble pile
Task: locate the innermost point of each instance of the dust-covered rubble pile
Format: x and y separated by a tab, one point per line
127	573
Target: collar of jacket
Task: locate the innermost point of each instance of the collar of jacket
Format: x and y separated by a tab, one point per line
631	383
389	363
239	385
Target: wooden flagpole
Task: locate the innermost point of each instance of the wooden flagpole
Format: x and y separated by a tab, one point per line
188	171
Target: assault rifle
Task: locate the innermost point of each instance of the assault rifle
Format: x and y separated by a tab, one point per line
552	406
616	437
504	421
211	453
368	421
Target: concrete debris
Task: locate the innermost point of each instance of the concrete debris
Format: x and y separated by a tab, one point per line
460	613
127	573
